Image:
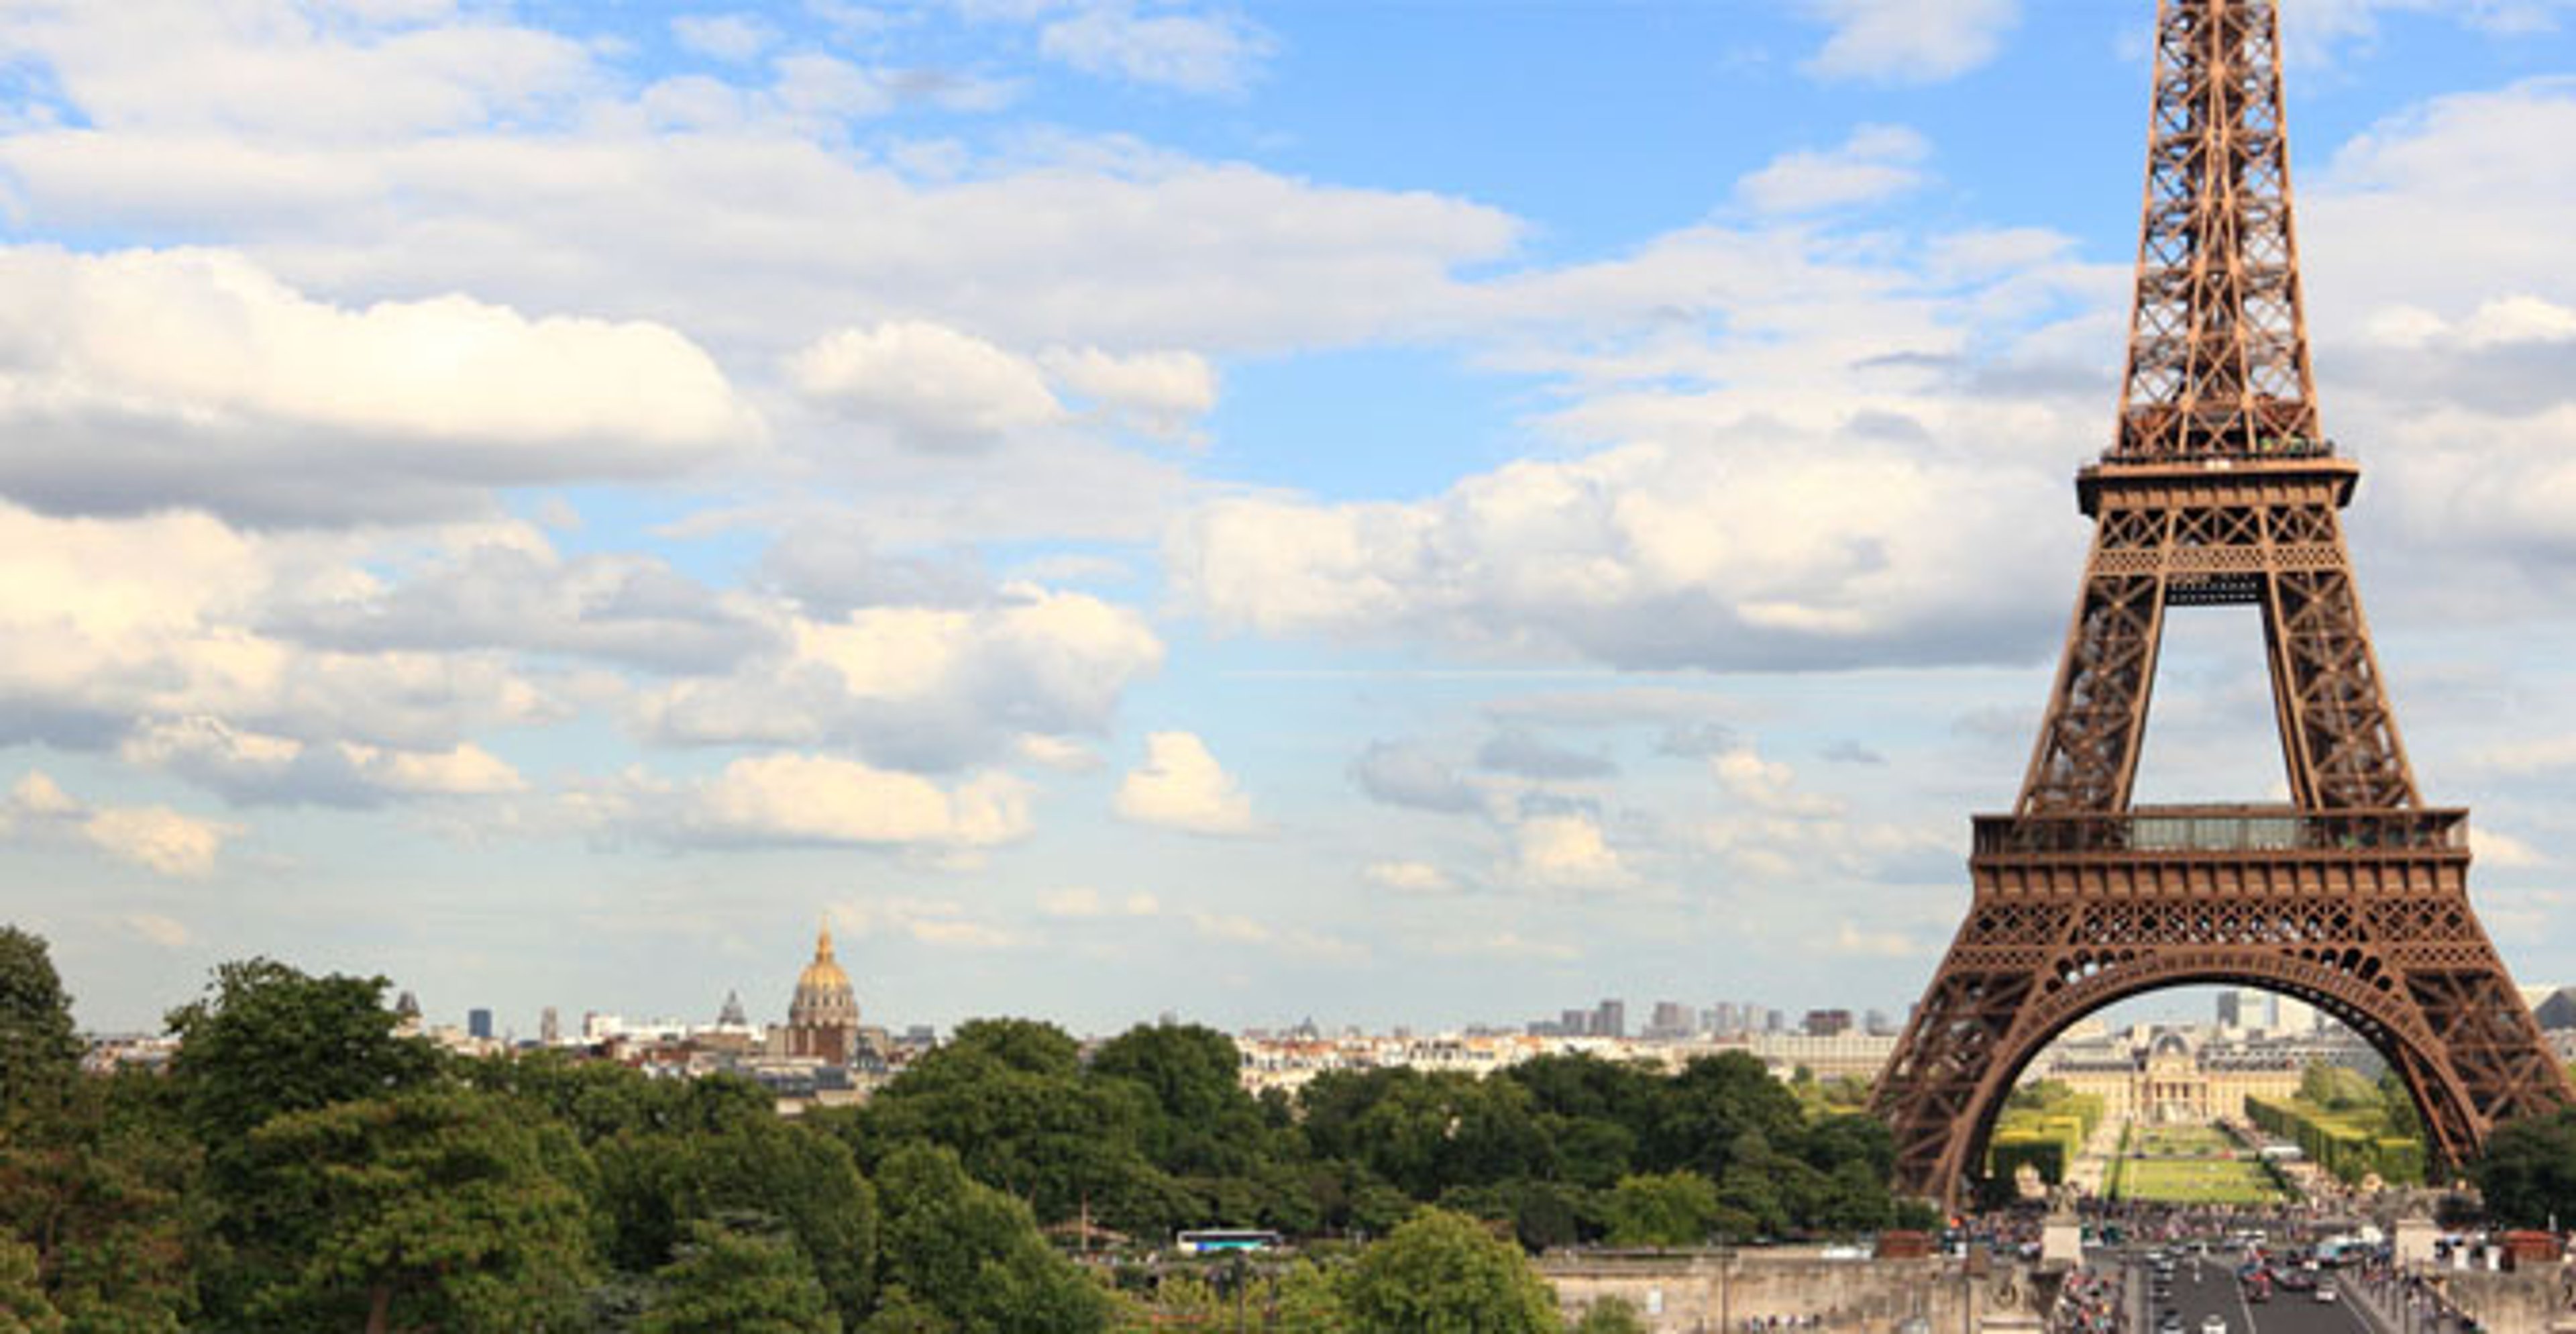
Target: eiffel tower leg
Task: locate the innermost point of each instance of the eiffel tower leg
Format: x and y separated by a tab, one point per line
2379	937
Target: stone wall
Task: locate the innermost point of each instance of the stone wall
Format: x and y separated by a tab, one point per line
2533	1300
1719	1291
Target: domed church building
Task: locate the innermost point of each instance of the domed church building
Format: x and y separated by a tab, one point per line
823	1019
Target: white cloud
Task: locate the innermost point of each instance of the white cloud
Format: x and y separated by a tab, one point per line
1181	786
1194	53
1566	851
1160	393
2499	849
1909	41
928	383
728	37
1808	550
156	838
122	625
1767	786
1876	162
357	77
793	798
1409	877
139	380
250	766
925	687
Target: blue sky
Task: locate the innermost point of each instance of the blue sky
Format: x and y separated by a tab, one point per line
1403	514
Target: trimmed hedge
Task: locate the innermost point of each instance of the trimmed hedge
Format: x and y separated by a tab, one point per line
2352	1145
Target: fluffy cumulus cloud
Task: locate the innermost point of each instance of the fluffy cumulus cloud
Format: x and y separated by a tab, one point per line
38	811
121	627
1908	41
139	380
1181	786
1196	53
361	73
1566	851
251	768
926	382
799	798
1878	161
923	687
935	387
2446	335
1810	553
728	37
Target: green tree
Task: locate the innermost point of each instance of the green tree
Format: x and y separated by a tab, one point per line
419	1210
900	1312
39	1054
1008	1097
269	1039
655	1187
1443	1273
740	1280
23	1308
1663	1209
2528	1171
1610	1315
2337	1088
1305	1299
100	1186
974	1254
1200	1121
1705	1112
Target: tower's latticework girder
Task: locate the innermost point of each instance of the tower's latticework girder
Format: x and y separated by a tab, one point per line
2219	489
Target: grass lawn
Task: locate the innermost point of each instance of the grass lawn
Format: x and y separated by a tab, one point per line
2181	1142
2196	1181
2189	1165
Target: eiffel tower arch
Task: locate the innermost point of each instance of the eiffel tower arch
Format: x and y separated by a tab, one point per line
2220	488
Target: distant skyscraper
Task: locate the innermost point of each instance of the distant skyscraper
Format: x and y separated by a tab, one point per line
2248	1008
549	1026
1878	1024
1575	1023
1672	1020
1827	1023
1610	1019
478	1023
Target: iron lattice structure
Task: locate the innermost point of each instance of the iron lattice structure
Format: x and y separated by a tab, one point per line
2219	489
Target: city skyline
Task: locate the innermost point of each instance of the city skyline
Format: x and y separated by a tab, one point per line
1241	511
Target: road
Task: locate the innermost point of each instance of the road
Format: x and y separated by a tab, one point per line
2209	1287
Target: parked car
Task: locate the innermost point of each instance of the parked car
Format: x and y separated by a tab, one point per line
2326	1292
2216	1324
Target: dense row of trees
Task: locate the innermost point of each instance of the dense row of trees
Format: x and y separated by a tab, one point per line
2354	1127
304	1166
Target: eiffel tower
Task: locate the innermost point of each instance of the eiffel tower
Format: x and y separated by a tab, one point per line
2219	489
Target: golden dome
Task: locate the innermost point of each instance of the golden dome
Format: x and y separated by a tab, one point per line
824	1001
823	974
